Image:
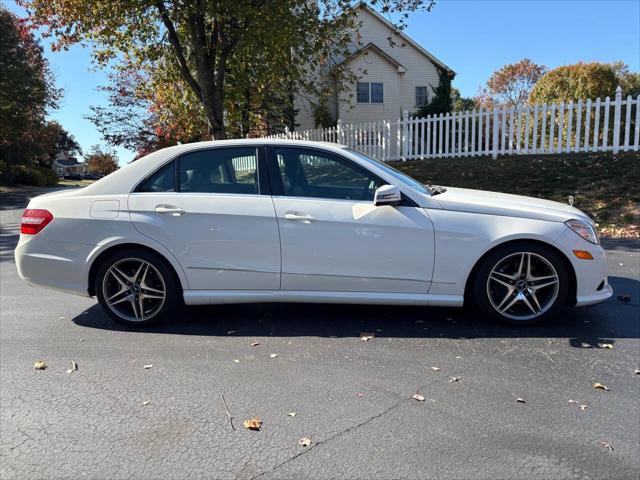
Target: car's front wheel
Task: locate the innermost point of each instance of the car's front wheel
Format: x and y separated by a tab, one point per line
521	283
136	288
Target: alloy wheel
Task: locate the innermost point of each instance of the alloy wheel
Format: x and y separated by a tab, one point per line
523	286
134	289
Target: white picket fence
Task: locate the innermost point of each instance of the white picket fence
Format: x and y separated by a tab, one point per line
584	126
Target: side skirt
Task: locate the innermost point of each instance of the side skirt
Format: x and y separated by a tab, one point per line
214	297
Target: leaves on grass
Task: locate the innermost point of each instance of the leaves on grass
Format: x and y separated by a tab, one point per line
147	367
435	369
73	367
366	336
454	379
255	344
305	441
520	400
253	424
273	355
600	386
606	445
39	365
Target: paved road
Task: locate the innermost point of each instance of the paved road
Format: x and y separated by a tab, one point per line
93	424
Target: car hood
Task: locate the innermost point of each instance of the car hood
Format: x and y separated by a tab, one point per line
494	203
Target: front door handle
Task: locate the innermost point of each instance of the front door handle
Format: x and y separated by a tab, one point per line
169	210
299	217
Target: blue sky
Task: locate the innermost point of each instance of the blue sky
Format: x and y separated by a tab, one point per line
473	37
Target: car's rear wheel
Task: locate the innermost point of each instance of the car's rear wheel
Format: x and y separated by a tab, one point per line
521	283
136	288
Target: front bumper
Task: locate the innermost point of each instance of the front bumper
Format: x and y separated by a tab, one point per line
592	285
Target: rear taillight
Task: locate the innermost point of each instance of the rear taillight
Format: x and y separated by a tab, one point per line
34	220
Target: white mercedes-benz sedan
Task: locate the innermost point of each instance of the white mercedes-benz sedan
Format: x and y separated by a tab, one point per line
294	221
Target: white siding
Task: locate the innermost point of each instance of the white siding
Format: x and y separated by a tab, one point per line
420	71
378	70
399	88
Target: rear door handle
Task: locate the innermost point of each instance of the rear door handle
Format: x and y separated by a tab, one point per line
299	217
169	210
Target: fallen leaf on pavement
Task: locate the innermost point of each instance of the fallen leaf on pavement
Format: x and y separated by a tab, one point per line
255	344
585	345
253	424
573	401
417	396
454	379
273	355
605	345
146	402
606	445
359	395
583	407
520	400
292	414
435	369
73	367
39	365
235	360
459	358
147	367
305	441
600	386
637	371
366	336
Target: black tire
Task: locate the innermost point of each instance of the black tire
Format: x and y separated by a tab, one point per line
542	298
125	308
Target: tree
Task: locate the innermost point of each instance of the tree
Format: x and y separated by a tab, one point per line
460	103
100	161
575	82
26	92
54	140
511	84
442	101
246	44
628	80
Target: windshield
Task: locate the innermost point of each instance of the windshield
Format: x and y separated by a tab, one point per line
398	175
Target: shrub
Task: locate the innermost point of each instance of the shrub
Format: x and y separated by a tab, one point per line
575	82
36	176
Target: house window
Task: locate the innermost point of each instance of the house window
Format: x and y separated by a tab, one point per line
370	92
422	97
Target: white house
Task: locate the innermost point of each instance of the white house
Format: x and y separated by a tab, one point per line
392	76
65	165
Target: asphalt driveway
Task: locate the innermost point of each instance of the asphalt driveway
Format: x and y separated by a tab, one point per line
113	418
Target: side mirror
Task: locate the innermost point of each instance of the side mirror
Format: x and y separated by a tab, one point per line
387	195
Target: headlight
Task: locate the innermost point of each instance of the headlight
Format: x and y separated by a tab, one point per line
584	229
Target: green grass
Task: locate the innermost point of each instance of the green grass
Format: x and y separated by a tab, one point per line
605	186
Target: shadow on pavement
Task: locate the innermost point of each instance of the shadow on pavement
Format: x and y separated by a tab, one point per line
583	326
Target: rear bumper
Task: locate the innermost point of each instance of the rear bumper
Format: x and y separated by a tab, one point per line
53	264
